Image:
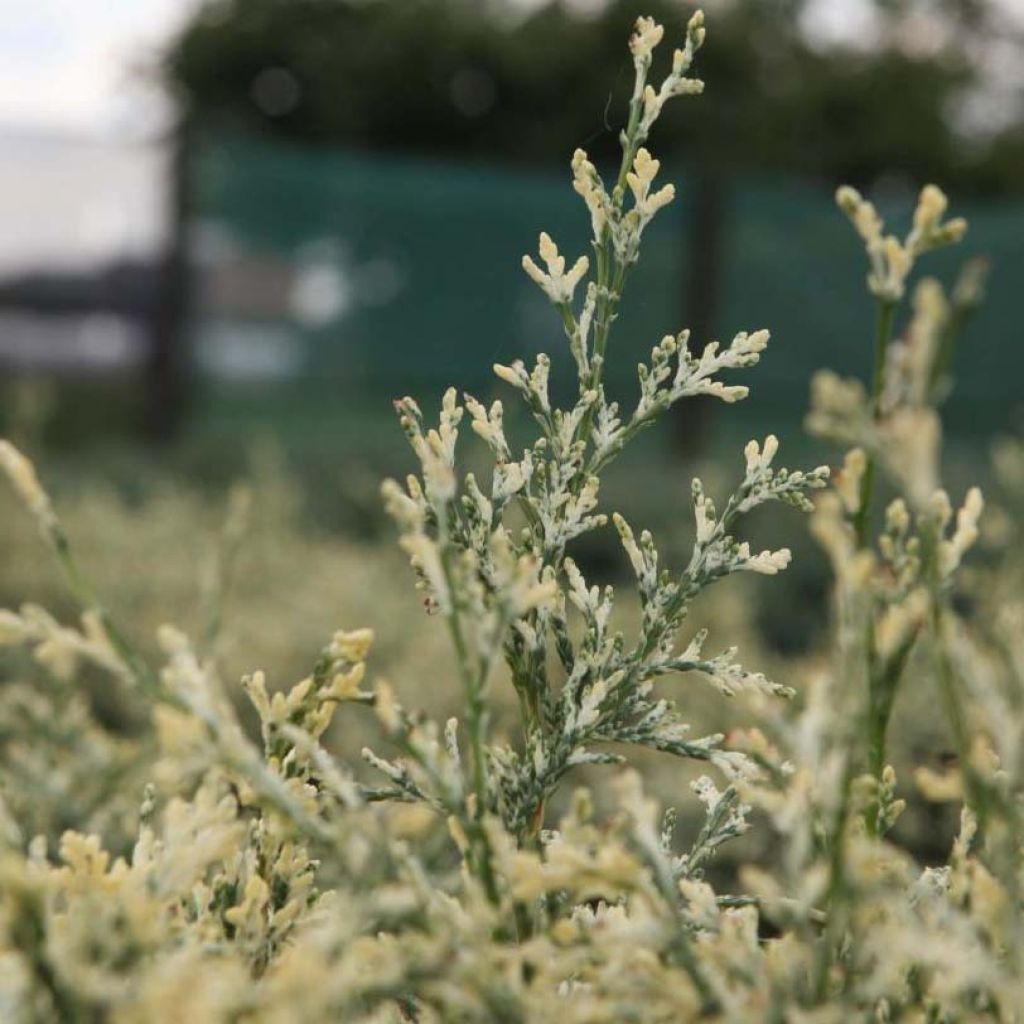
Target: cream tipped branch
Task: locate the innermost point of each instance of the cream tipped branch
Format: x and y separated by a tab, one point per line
23	478
616	235
661	386
715	553
890	263
891	260
967	295
558	285
646	103
903	382
983	794
638	171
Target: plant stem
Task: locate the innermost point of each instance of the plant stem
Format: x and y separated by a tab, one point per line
610	292
878	725
140	672
881	692
476	720
474	702
883	332
881	696
975	789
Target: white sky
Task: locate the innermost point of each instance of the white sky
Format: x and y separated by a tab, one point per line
76	65
79	182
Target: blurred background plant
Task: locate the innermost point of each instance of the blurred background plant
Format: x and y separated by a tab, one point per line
299	208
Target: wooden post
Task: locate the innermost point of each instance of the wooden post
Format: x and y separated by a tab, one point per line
166	370
701	290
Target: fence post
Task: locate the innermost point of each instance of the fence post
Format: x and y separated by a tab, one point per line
704	239
166	368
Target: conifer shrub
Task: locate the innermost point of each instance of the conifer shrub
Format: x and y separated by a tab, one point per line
213	874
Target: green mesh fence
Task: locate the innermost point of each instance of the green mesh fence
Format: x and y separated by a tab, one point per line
330	278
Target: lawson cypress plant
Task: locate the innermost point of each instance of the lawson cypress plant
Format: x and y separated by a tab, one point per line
270	878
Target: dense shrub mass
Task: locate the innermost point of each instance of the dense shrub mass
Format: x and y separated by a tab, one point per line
176	867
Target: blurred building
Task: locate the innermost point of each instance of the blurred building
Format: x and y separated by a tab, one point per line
83	233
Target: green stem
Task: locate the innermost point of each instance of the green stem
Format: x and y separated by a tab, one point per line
138	669
835	893
610	291
881	696
975	789
631	140
878	726
958	318
476	721
862	521
850	613
474	702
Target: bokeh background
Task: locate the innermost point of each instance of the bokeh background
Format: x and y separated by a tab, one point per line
231	231
269	216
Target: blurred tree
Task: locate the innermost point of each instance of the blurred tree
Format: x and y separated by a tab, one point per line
469	77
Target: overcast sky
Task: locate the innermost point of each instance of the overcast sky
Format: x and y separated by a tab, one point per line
76	65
